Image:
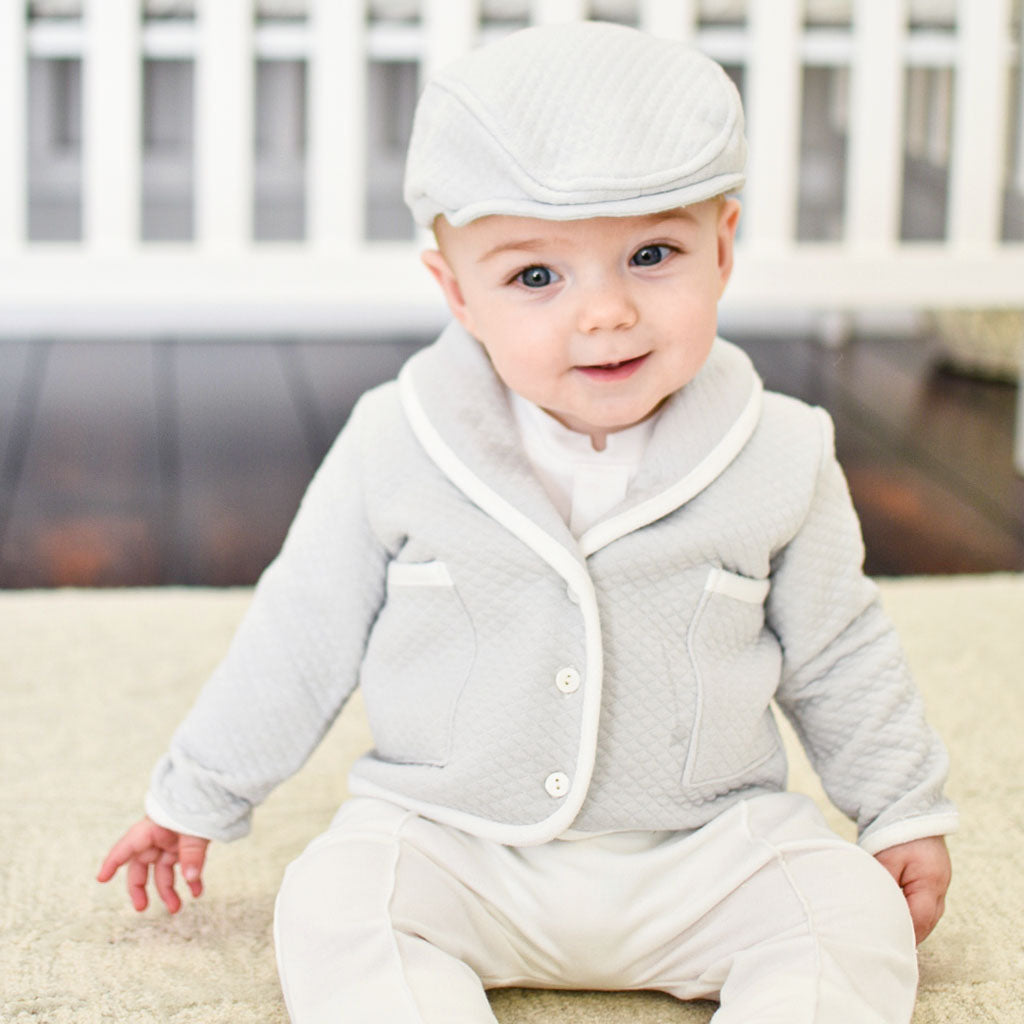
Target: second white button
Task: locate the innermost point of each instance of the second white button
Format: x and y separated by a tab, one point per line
568	680
557	784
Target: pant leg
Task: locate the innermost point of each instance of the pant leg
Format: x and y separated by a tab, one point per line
819	933
340	957
852	961
391	917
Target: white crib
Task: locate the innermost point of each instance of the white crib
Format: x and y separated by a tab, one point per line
207	166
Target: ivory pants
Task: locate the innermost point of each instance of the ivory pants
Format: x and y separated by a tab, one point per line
389	918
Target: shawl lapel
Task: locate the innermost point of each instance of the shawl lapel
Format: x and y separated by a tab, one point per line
459	411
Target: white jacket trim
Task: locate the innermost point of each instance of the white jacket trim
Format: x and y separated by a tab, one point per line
921	827
574	572
701	476
740	588
156	812
419	574
486	828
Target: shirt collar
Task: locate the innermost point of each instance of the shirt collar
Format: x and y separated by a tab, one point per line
462	412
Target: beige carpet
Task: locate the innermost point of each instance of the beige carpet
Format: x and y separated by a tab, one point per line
92	684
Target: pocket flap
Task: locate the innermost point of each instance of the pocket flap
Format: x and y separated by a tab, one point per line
419	574
741	588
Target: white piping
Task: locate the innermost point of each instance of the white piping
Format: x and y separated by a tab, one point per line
942	823
739	588
704	473
486	828
419	574
572	571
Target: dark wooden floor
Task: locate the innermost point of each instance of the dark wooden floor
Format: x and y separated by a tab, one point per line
183	463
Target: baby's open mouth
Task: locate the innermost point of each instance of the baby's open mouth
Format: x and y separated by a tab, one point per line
614	371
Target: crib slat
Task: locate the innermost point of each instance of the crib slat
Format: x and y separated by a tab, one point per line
335	163
977	162
224	125
917	112
1018	166
13	126
1018	180
940	103
451	27
551	12
875	160
773	110
111	124
671	19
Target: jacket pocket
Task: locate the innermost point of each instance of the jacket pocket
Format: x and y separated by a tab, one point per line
735	666
418	658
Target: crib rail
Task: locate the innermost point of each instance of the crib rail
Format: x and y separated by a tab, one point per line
900	91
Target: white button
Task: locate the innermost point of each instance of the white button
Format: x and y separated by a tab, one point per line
568	680
557	784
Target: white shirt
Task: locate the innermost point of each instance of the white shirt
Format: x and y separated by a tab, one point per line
584	484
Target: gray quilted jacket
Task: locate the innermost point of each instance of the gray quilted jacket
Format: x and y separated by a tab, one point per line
520	682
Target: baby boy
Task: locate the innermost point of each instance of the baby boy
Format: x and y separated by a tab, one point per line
574	557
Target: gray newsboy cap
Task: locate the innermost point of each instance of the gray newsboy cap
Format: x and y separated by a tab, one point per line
586	119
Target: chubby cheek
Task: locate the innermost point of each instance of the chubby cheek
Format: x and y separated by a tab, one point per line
522	351
526	369
688	356
490	319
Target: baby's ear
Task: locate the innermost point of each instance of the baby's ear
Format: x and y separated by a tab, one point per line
728	219
435	262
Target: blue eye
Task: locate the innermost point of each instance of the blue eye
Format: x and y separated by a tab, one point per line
649	255
536	277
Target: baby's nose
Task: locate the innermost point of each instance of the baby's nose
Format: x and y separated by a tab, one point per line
607	305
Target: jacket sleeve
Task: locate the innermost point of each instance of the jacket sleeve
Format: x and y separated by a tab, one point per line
845	683
291	665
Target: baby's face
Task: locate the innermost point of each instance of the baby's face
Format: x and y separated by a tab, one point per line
597	321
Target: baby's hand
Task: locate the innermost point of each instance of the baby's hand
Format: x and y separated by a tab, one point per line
922	870
147	844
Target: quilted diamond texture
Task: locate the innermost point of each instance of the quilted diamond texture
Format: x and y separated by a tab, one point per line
551	97
749	590
553	119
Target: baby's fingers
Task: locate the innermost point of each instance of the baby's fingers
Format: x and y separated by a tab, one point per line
191	856
138	875
926	907
163	878
139	840
127	847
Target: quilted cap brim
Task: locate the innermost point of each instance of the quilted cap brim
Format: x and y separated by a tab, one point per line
585	119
